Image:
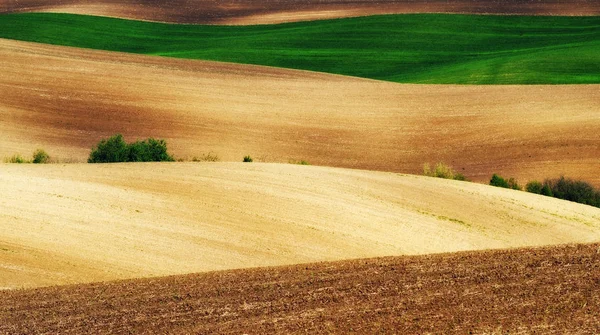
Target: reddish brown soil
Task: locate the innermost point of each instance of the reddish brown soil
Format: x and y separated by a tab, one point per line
553	290
258	11
66	99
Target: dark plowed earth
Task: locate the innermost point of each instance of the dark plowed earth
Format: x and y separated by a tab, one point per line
553	290
273	11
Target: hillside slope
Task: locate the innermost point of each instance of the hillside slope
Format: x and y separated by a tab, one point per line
86	222
65	100
276	11
524	291
417	48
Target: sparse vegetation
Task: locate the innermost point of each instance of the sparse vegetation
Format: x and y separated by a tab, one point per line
442	171
300	162
115	149
209	157
248	159
40	157
16	158
511	183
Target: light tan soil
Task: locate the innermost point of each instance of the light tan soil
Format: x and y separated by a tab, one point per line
77	223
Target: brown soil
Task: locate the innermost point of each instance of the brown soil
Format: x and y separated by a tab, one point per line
525	291
65	100
79	223
276	11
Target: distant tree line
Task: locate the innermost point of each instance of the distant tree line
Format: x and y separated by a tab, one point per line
562	188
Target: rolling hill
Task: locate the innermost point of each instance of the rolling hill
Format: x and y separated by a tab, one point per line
411	48
551	290
78	223
277	11
66	99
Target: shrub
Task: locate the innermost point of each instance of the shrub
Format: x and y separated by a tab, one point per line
301	162
40	157
498	181
534	187
150	150
247	159
18	159
115	149
460	176
442	171
209	157
547	191
512	183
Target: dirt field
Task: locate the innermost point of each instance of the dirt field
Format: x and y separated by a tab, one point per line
526	291
65	100
78	223
276	11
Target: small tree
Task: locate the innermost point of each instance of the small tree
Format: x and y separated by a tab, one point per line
248	159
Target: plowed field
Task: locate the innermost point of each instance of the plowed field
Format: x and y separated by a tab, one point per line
65	100
523	291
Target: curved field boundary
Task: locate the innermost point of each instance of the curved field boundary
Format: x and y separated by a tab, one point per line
551	290
277	11
65	100
418	48
90	222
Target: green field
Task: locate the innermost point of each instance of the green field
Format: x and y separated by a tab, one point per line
415	48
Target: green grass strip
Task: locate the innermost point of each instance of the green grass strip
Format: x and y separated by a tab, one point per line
412	48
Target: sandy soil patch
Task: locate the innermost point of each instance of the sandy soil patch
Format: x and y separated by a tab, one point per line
88	222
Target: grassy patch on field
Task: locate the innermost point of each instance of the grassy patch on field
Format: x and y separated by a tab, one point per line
412	48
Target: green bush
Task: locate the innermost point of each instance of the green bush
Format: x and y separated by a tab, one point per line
547	191
248	159
498	181
534	187
115	149
40	157
573	190
442	171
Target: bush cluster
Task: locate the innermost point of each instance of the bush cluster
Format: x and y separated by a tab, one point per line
505	183
442	170
248	159
567	189
115	149
39	157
